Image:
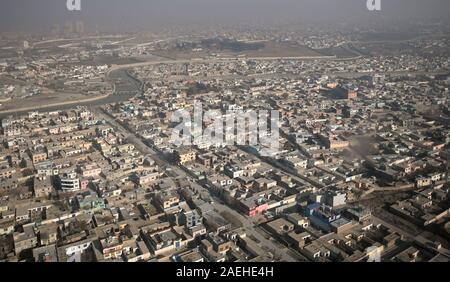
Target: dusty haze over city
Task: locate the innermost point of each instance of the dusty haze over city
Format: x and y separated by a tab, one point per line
146	14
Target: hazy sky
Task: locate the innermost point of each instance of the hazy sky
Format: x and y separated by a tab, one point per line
129	14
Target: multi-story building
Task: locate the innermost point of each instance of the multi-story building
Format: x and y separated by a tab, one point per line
70	182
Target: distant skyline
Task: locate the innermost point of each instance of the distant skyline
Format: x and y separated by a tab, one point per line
121	15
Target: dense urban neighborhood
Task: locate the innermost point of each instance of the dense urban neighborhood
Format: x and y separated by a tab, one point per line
90	172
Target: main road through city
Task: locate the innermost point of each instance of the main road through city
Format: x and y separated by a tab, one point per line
131	87
144	147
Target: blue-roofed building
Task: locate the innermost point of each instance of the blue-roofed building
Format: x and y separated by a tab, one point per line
309	210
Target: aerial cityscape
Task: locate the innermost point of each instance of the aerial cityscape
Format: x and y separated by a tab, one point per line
205	137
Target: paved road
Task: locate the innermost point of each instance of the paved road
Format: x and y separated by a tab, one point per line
215	60
248	224
127	92
419	239
250	229
394	228
35	44
290	76
131	137
120	94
